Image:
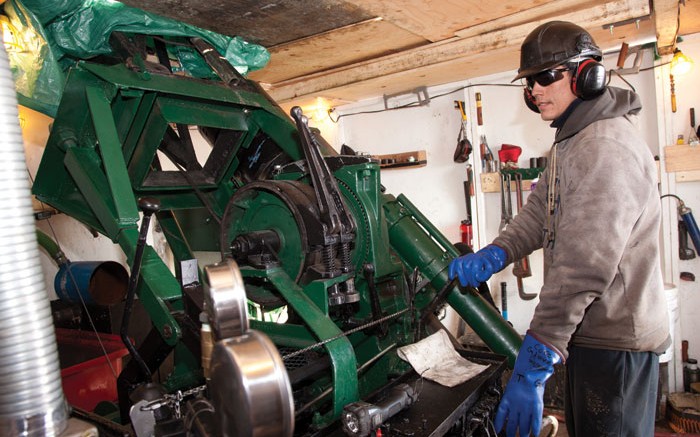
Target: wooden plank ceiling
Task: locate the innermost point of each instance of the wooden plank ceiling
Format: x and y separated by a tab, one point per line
348	50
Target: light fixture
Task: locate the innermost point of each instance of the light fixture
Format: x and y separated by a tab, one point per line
680	64
317	110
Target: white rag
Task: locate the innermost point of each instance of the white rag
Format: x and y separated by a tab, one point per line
436	359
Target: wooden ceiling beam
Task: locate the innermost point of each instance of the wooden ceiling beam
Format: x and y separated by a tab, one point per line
436	23
549	11
440	52
666	17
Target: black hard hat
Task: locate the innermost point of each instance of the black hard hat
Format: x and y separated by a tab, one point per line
555	43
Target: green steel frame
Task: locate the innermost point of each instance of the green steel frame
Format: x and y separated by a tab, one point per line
100	159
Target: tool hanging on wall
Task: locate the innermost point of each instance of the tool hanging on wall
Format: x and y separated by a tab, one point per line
461	155
684	252
488	165
693	136
506	205
465	227
686	214
521	267
479	116
690	224
464	146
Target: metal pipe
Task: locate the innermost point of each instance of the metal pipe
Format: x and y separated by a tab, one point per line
421	245
31	399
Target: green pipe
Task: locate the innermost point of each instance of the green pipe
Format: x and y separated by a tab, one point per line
418	243
51	247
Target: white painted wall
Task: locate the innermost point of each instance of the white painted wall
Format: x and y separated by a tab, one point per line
674	124
74	238
437	189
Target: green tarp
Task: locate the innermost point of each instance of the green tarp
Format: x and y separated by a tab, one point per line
51	36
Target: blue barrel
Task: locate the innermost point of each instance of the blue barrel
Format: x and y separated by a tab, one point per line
91	282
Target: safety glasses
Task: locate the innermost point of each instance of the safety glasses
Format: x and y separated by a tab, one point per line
546	77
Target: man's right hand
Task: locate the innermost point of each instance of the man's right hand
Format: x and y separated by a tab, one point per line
475	268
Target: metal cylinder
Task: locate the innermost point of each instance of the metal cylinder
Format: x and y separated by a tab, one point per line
250	388
690	224
91	282
31	399
421	245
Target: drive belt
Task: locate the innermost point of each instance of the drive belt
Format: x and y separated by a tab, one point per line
345	334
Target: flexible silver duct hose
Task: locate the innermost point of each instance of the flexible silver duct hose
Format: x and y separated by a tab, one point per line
31	397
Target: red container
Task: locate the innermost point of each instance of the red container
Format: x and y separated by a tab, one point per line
85	370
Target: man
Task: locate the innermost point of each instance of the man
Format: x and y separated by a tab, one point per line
596	214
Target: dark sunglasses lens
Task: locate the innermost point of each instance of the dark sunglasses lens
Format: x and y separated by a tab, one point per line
545	78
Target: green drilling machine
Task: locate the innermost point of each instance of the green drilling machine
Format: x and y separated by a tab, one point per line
294	277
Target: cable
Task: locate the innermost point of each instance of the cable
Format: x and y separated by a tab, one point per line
80	295
674	196
654	66
620	76
417	104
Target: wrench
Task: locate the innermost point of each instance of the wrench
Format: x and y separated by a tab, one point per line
521	267
506	206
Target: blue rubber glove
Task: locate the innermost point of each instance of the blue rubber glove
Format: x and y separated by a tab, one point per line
475	268
522	401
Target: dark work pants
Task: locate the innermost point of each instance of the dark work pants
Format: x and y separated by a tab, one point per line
611	393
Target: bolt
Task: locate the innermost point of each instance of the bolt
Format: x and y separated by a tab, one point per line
167	331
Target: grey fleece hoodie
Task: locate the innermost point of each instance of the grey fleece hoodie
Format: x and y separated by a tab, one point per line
596	213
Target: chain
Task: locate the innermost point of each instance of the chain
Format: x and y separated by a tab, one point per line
173	401
345	334
177	401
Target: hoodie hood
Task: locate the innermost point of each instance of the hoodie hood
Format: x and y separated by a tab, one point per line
614	102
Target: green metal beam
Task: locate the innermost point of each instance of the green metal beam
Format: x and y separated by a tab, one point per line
340	350
83	166
157	285
175	85
112	157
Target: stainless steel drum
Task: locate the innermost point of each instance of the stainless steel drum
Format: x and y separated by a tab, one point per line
225	299
250	388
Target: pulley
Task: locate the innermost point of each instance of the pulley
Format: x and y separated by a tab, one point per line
250	388
225	297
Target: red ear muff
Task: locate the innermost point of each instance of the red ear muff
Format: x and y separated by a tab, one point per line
530	100
588	81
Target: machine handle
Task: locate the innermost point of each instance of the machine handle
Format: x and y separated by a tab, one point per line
149	206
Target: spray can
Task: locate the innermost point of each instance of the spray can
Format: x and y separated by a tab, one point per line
465	230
